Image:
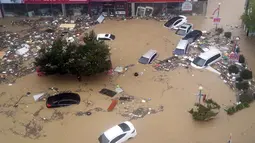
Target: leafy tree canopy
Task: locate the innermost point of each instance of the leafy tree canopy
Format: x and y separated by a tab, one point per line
249	15
69	58
205	112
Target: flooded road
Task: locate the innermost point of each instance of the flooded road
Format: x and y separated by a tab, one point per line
175	90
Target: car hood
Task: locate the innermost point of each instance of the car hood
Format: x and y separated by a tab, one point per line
178	52
195	66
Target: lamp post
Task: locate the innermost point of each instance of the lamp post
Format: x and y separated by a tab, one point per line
218	15
235	50
200	93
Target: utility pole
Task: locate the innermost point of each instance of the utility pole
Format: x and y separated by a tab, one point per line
200	94
218	15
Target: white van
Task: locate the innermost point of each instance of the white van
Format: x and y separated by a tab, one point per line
206	59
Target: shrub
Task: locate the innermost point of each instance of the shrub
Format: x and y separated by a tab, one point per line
241	59
219	31
246	97
233	69
205	112
230	110
242	85
239	79
228	35
233	109
246	74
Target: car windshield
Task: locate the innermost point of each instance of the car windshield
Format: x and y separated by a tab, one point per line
179	52
143	60
103	139
199	61
112	37
171	21
106	35
124	127
189	35
181	32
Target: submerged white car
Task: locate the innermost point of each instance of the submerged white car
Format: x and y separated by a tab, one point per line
206	59
176	22
119	133
184	29
148	57
105	37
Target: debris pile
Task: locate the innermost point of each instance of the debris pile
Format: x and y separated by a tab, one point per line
134	107
18	50
172	63
230	56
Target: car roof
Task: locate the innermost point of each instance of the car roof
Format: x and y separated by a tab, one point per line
192	33
130	125
66	95
150	53
182	44
185	26
182	16
113	132
208	54
102	35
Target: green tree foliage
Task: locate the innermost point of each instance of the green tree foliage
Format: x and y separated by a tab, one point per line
205	112
248	16
66	58
235	108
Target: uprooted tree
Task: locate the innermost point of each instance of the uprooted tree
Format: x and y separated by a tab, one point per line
206	111
68	58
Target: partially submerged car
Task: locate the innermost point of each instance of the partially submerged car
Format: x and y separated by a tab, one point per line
105	37
206	59
63	99
119	133
193	36
181	48
176	22
184	29
148	57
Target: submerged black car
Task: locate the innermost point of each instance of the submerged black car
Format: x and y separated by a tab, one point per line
193	36
63	99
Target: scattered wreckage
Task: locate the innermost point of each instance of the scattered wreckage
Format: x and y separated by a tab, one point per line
18	50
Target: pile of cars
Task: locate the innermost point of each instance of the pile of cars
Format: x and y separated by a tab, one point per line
185	30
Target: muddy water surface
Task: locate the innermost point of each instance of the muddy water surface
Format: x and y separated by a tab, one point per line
176	90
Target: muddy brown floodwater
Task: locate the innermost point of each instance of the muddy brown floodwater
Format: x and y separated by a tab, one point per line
168	94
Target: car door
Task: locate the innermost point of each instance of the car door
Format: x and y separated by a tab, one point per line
189	29
207	63
196	35
65	102
214	59
186	48
119	139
